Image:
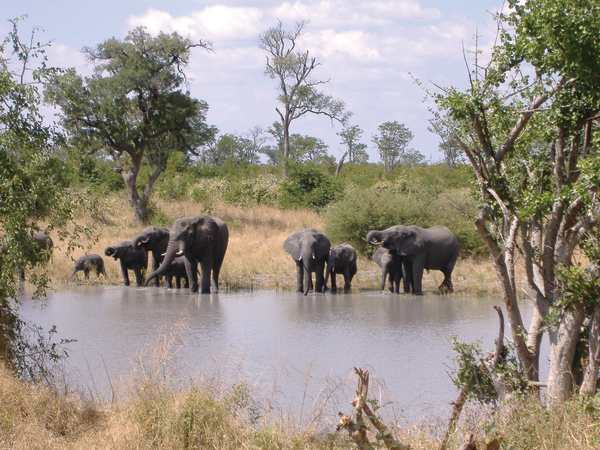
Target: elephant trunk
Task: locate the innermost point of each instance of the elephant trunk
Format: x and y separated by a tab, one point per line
170	254
374	237
109	251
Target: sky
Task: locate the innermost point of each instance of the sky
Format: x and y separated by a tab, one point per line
371	51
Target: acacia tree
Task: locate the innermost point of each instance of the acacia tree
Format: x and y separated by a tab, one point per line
356	151
298	91
527	124
392	141
134	107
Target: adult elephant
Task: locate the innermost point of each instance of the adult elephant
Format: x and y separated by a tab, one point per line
130	258
43	246
309	248
153	240
434	248
201	240
341	260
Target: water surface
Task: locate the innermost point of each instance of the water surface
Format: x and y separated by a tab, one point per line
292	348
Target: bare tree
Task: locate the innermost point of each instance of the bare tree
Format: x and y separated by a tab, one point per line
293	70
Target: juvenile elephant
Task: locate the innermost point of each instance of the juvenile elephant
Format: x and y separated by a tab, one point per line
201	240
176	270
131	258
341	260
434	248
393	268
87	263
42	246
153	240
309	248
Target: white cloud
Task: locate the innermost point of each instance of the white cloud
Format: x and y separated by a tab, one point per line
352	44
353	13
218	22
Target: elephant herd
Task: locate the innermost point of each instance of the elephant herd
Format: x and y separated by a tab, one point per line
403	253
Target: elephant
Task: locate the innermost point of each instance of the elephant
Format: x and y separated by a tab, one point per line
153	240
394	268
342	259
310	249
42	243
176	270
87	263
201	240
434	248
131	258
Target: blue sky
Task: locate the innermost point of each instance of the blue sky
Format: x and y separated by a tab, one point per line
369	49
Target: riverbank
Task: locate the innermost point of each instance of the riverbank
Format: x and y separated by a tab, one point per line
255	258
34	416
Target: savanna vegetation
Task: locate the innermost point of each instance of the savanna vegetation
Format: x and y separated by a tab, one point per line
519	186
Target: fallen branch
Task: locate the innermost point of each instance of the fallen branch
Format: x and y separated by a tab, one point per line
358	428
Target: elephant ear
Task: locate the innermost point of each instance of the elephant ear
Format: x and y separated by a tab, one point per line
322	246
292	246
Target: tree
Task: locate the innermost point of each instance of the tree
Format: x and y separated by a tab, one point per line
391	142
293	70
34	194
133	106
303	148
448	146
527	123
238	150
356	151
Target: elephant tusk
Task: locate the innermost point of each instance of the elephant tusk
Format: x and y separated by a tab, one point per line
300	259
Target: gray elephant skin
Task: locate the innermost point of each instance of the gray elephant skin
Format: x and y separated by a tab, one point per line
200	240
154	241
43	244
434	248
341	260
86	264
394	269
130	258
176	270
309	249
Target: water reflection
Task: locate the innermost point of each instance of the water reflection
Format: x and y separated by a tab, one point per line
286	343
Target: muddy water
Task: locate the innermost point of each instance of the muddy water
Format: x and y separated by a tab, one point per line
296	351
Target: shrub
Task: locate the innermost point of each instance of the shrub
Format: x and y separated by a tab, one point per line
391	203
309	187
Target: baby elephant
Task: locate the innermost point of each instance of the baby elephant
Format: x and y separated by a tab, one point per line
391	266
177	270
342	260
131	258
86	264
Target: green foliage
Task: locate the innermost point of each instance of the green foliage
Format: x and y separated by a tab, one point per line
392	140
309	187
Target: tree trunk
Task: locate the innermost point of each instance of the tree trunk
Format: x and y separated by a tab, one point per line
563	340
590	377
137	202
286	148
340	164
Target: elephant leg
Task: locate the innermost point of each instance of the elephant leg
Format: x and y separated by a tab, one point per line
300	277
320	277
347	281
86	273
205	283
446	286
178	282
417	277
125	274
139	277
397	276
407	277
191	268
333	281
310	280
155	266
215	277
384	272
169	281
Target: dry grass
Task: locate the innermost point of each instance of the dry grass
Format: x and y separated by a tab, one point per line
255	258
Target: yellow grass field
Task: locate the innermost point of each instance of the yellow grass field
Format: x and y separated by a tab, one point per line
255	257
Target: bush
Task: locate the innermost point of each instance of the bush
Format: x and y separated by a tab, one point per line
390	203
309	187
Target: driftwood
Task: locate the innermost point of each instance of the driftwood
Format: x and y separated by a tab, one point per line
459	403
356	425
